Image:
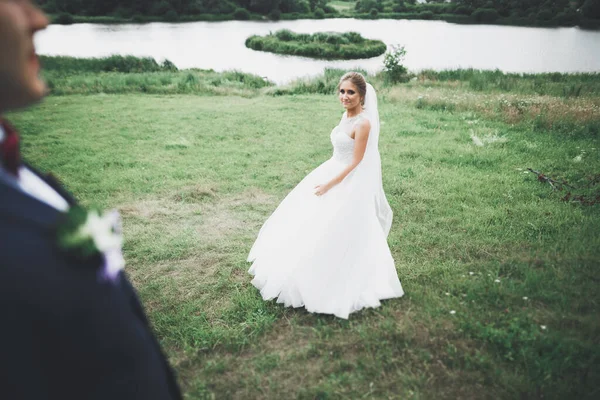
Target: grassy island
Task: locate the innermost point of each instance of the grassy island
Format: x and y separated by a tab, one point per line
324	45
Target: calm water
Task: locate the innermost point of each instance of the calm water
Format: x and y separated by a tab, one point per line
430	44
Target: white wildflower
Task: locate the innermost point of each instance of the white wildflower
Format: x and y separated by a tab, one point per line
543	327
477	141
497	281
454	312
489	139
525	298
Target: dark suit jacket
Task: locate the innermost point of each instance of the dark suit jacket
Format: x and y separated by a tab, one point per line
65	334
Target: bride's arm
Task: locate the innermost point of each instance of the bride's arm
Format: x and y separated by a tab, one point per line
361	135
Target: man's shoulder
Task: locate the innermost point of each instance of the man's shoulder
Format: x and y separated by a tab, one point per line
22	242
36	274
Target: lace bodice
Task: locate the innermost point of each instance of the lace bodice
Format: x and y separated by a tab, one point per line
343	144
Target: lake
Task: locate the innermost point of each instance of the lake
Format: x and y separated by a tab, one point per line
430	45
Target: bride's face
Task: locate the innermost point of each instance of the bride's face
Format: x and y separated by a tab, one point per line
349	96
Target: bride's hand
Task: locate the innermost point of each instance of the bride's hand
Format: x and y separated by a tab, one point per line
320	190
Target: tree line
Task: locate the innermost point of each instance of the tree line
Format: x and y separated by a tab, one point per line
128	8
541	12
527	12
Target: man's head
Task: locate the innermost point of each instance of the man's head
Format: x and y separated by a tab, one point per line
20	84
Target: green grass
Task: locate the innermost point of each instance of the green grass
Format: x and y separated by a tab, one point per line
128	74
342	6
124	64
140	19
553	84
196	176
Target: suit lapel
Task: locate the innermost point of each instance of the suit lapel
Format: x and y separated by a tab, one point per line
54	184
18	207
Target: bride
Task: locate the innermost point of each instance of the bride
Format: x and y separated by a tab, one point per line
325	246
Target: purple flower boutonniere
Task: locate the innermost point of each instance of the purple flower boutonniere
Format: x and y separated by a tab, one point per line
89	233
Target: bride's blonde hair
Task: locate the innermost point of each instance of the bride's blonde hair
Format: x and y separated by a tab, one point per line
358	80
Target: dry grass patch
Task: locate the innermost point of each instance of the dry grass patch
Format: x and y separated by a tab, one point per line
196	193
511	108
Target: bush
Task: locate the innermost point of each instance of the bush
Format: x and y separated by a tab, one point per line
485	15
49	7
225	7
319	13
392	65
463	10
330	38
591	9
171	16
566	18
586	23
64	19
426	15
275	15
365	6
544	15
329	9
456	18
373	13
399	7
353	37
161	8
167	65
518	13
285	35
123	12
255	43
241	14
121	64
301	6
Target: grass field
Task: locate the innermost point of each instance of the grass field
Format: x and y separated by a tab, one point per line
500	270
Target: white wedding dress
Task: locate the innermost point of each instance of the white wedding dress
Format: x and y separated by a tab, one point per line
329	253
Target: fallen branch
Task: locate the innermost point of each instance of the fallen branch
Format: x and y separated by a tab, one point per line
556	185
581	199
594	180
586	199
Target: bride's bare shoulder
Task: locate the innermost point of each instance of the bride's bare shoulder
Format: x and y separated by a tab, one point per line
363	124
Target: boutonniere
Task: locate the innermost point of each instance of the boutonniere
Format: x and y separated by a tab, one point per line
90	233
